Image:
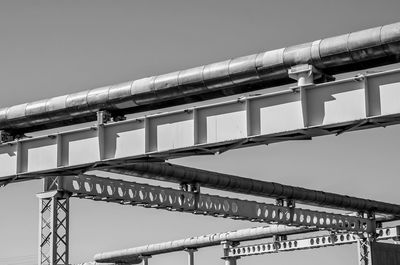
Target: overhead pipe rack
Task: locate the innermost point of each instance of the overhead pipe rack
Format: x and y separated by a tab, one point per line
357	103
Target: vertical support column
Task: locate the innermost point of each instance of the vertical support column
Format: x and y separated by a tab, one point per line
226	245
364	251
145	260
190	252
365	242
53	225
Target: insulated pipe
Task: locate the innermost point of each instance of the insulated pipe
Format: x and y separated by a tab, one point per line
132	254
95	263
344	53
220	181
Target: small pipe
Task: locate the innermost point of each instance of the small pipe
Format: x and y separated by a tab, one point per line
134	254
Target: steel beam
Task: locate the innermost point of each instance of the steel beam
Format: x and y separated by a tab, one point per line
314	242
357	103
215	180
124	192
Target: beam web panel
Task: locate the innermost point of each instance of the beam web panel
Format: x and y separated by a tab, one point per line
124	139
277	113
223	123
384	93
171	131
336	103
8	159
39	154
81	147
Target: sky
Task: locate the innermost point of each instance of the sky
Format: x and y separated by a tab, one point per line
50	48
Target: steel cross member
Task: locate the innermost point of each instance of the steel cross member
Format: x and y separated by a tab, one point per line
53	228
131	193
315	242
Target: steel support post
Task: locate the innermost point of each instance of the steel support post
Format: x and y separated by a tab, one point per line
53	225
364	251
365	241
226	246
191	252
145	260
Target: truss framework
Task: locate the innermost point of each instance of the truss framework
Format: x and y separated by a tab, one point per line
365	251
316	242
131	193
53	228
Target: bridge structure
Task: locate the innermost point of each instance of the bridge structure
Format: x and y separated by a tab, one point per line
316	105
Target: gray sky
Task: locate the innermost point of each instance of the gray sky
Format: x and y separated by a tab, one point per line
50	48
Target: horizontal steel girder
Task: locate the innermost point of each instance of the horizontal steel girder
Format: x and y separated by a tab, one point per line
131	193
300	113
215	180
308	243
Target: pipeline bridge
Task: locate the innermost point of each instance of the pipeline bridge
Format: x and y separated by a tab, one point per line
313	103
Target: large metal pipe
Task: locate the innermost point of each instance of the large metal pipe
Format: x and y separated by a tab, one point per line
95	263
215	180
132	254
352	51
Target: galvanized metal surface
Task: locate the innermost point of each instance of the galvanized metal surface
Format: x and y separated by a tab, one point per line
215	180
308	243
131	193
357	50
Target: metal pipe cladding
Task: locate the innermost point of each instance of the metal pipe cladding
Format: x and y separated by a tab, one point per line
348	52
